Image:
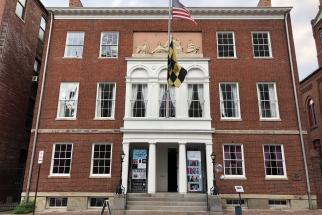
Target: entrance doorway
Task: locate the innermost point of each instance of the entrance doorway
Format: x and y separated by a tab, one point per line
172	170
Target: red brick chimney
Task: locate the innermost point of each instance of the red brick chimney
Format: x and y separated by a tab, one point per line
75	3
266	3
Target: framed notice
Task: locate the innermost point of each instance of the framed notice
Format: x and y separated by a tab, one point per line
194	173
139	170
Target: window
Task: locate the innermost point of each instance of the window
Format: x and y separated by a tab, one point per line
163	101
229	101
139	101
226	45
196	100
101	159
267	99
61	159
36	66
233	160
21	8
105	100
109	44
274	161
320	36
312	113
261	44
74	44
68	96
278	203
57	202
42	29
235	202
96	202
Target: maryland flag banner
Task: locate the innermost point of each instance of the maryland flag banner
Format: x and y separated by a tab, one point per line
176	73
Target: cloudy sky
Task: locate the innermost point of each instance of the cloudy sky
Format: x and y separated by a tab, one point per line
302	13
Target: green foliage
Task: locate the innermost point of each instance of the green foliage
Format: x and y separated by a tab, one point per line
24	207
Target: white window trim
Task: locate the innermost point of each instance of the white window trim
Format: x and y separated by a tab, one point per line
275	177
160	100
278	117
95	197
118	38
67	37
58	108
243	158
221	99
24	11
145	100
234	44
202	101
51	174
269	45
55	207
91	175
112	117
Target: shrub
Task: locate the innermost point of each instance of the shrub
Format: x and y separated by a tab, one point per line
24	207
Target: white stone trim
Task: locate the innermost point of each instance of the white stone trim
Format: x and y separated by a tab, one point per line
260	132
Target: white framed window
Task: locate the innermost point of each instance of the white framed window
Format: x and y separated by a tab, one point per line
42	29
195	100
261	45
61	161
226	47
109	44
163	101
105	100
312	114
74	44
96	202
234	164
21	9
267	101
57	202
139	101
235	202
229	101
68	99
101	162
274	161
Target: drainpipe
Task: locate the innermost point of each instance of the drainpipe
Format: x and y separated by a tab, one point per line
299	122
39	110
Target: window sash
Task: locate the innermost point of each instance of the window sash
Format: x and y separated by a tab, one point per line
226	47
229	101
61	159
195	101
163	101
57	202
274	160
68	100
312	113
234	165
74	44
267	101
105	100
101	160
138	101
109	45
42	29
261	45
20	8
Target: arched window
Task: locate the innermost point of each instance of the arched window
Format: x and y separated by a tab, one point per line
312	113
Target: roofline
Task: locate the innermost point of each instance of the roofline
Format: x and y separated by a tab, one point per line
42	6
311	75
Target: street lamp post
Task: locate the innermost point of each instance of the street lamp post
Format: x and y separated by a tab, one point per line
214	189
120	188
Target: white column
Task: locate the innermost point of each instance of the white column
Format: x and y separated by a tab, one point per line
125	165
182	182
152	168
210	173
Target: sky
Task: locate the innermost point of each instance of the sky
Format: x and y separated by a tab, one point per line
302	13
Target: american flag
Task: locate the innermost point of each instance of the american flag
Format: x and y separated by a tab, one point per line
180	11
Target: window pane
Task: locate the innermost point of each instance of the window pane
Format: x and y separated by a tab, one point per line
74	44
163	101
109	44
233	160
229	101
62	159
105	101
20	10
101	159
268	101
225	44
68	96
196	100
274	160
138	100
261	45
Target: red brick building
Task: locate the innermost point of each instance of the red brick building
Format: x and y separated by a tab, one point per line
104	93
22	32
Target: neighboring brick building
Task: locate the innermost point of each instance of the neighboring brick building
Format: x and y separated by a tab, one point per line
21	45
311	92
104	93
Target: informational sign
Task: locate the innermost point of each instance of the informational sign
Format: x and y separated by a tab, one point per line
239	189
40	157
138	168
194	172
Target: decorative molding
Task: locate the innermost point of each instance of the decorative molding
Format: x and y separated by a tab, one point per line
307	88
69	194
77	131
168	131
261	132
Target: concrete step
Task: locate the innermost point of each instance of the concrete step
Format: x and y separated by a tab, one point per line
178	195
169	199
165	203
167	208
140	212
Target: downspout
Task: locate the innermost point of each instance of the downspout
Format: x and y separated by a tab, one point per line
299	121
39	110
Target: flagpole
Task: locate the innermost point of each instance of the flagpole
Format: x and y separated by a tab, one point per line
169	38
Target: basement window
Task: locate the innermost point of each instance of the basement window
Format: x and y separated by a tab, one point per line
278	203
235	202
57	202
96	202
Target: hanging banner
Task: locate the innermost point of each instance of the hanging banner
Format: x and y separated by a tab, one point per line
194	172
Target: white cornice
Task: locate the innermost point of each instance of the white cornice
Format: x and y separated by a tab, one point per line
148	13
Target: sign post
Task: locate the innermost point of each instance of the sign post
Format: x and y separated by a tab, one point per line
238	209
40	161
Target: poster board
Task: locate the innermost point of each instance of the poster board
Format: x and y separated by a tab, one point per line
194	171
139	167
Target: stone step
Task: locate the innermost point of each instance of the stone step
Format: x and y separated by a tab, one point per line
178	195
146	212
167	199
167	208
165	203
